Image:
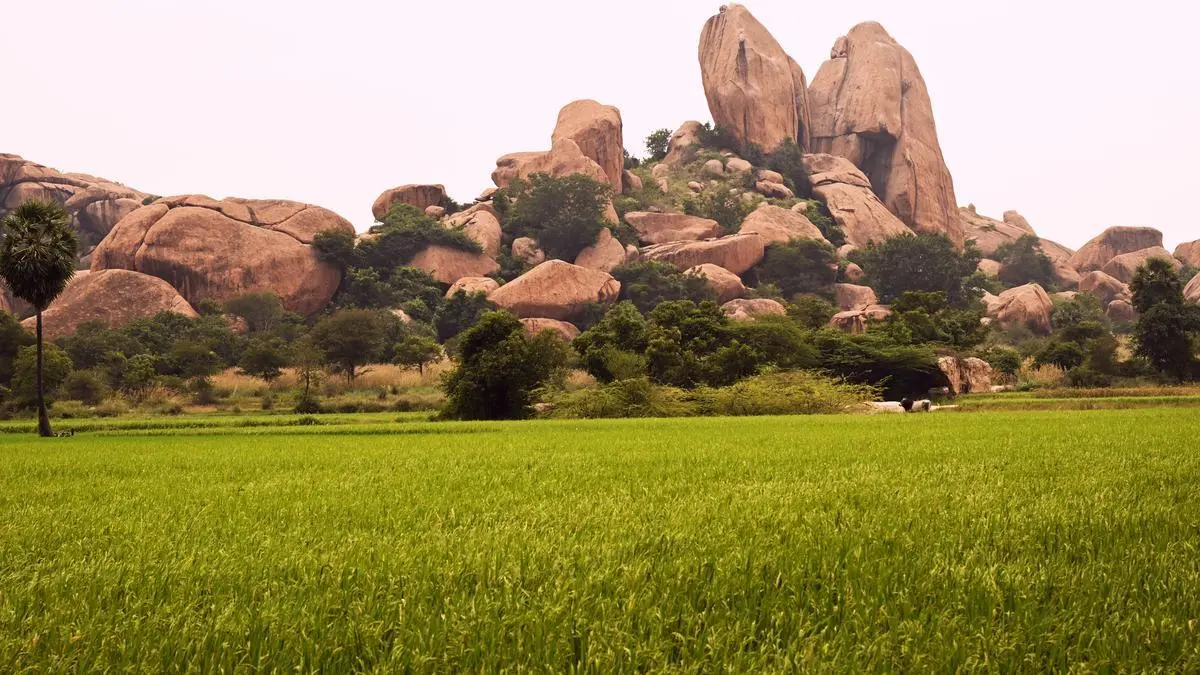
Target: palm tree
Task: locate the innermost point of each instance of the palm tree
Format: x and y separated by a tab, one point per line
37	259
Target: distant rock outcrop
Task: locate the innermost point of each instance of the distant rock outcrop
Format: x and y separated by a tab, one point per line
990	235
448	265
779	226
556	290
756	92
664	228
736	253
749	310
847	194
219	250
1192	291
605	254
418	196
1027	305
870	105
1126	265
597	130
562	329
685	137
112	297
850	297
727	285
1113	242
1189	253
481	224
857	321
472	285
1105	287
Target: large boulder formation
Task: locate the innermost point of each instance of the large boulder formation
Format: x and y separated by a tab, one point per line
779	226
727	285
990	235
597	130
1126	265
966	376
849	297
664	228
736	253
1027	305
556	290
481	224
448	265
1017	220
756	92
870	105
564	158
685	137
1113	242
525	249
561	329
1189	253
847	194
605	254
113	297
473	285
1121	312
95	204
219	250
749	310
1064	271
1105	287
419	196
1192	291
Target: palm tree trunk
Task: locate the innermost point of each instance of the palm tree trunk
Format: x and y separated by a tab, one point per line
43	418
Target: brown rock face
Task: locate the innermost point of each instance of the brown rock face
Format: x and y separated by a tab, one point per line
1104	287
774	190
779	226
597	130
219	250
1189	253
1126	265
988	234
850	297
448	265
562	329
603	255
1018	221
526	250
556	290
1121	311
870	105
1028	305
420	196
1113	242
727	285
749	310
847	194
685	137
1192	291
737	253
755	90
95	204
565	158
6	300
989	267
967	376
664	228
114	297
480	224
858	320
472	285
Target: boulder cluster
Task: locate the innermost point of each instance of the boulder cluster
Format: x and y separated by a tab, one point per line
868	156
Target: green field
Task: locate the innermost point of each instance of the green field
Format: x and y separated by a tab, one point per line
1000	541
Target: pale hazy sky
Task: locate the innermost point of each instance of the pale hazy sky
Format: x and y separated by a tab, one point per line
1078	115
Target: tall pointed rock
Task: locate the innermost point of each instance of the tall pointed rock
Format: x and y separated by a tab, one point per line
756	92
870	105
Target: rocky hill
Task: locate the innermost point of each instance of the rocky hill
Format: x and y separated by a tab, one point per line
848	160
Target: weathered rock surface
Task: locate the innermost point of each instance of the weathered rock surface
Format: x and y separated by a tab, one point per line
597	130
1124	266
114	297
847	194
858	320
739	165
565	158
683	138
870	105
448	265
755	90
989	234
1192	291
779	226
1189	253
480	224
849	297
564	330
967	376
989	267
632	182
714	168
1064	271
749	310
219	250
1121	311
1017	220
664	228
418	196
473	285
6	300
556	290
727	285
736	253
1105	287
1027	305
95	204
1113	242
854	274
603	255
774	190
526	250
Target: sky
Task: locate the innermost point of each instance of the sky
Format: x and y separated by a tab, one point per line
1074	114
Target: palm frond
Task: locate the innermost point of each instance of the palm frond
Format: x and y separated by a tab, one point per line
37	251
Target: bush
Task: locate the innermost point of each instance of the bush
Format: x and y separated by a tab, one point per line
564	215
729	210
925	263
799	266
647	284
872	358
55	371
811	311
89	387
1024	262
657	144
636	397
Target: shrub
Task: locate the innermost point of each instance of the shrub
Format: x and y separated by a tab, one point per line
811	311
89	387
719	204
657	144
1024	262
649	283
791	393
873	358
564	214
636	397
799	266
349	339
925	262
461	311
56	369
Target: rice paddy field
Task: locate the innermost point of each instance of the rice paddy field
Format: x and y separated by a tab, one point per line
1032	541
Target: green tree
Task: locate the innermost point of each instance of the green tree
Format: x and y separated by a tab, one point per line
613	348
719	204
350	339
500	369
262	312
140	372
265	357
1156	283
89	387
564	215
337	248
1023	262
649	283
310	373
811	311
13	337
459	312
1065	355
1005	360
417	351
799	266
658	143
1166	329
37	259
925	262
38	380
